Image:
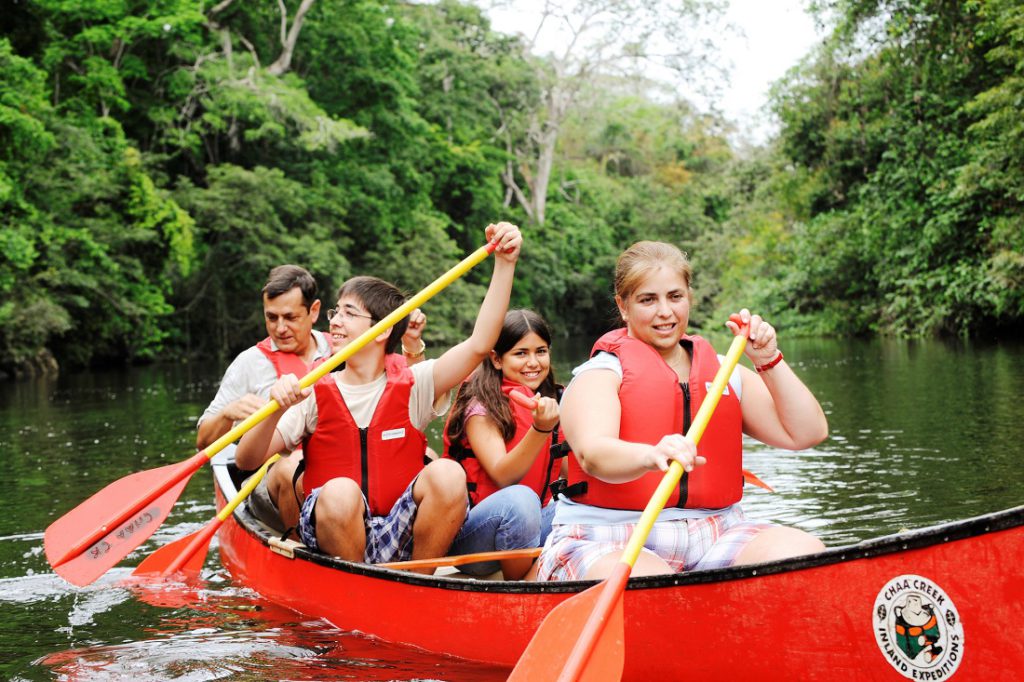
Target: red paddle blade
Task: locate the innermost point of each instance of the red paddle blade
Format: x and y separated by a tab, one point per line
185	555
91	538
522	399
751	478
581	639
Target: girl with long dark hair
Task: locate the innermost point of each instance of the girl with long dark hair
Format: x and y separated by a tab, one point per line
509	448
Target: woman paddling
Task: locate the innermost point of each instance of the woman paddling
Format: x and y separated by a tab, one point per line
625	413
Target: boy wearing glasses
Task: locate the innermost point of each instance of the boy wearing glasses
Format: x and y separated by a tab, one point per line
365	492
292	346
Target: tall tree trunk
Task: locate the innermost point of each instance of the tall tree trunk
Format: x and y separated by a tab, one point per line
289	36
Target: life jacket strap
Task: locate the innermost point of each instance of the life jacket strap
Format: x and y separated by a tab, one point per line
562	487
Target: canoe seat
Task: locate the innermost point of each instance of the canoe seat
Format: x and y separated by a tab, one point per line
285	548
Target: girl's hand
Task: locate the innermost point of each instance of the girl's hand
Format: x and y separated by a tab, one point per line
412	339
763	345
286	391
545	415
508	238
676	447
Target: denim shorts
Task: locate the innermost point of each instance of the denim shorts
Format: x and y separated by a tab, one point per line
509	518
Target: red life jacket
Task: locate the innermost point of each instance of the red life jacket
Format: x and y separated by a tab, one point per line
544	470
287	363
654	404
384	457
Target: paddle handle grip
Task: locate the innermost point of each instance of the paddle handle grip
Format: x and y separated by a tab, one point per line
675	470
523	399
431	290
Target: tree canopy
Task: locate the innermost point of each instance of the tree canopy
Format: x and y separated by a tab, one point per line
158	158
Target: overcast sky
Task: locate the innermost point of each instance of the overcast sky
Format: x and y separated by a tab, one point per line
778	34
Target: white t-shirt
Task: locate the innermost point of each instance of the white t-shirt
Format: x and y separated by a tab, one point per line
253	372
300	420
568	511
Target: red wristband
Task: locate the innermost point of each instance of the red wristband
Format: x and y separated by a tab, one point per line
765	368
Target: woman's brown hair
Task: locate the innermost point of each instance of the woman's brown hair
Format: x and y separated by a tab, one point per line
639	260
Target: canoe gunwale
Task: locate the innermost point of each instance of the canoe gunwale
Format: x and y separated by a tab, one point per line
888	544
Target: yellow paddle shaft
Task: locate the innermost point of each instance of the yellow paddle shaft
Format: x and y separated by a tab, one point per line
356	345
675	470
246	489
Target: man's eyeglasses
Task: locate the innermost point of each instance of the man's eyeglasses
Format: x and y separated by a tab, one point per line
348	314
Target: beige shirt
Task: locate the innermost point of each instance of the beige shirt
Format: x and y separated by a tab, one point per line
253	372
300	420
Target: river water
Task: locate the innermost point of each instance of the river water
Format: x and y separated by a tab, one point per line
921	433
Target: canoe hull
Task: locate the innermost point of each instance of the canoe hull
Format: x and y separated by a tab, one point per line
934	604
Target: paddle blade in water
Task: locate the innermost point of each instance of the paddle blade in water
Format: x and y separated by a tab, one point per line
751	478
188	554
91	538
581	639
185	555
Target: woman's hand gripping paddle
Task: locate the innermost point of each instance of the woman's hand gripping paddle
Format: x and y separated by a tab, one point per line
583	637
91	538
531	403
188	554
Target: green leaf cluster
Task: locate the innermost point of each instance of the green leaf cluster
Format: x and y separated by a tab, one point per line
905	132
158	158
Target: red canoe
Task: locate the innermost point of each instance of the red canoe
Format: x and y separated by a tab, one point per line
932	604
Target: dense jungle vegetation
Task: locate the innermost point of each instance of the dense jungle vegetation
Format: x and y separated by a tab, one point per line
157	157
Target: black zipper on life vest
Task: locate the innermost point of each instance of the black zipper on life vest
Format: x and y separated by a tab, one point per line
684	481
686	407
365	460
550	462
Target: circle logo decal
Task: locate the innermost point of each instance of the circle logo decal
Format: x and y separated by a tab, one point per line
918	628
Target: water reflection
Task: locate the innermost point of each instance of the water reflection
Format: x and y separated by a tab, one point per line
224	632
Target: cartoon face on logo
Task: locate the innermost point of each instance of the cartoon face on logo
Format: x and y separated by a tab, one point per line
917	628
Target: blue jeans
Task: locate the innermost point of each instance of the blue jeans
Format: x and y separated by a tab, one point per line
546	516
507	519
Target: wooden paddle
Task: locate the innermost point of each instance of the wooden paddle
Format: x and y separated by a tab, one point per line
460	559
188	554
589	626
91	538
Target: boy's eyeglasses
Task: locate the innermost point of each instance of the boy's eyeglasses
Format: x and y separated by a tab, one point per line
347	314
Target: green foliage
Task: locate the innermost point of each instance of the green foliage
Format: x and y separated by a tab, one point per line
234	105
24	138
907	125
249	221
157	159
160	217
